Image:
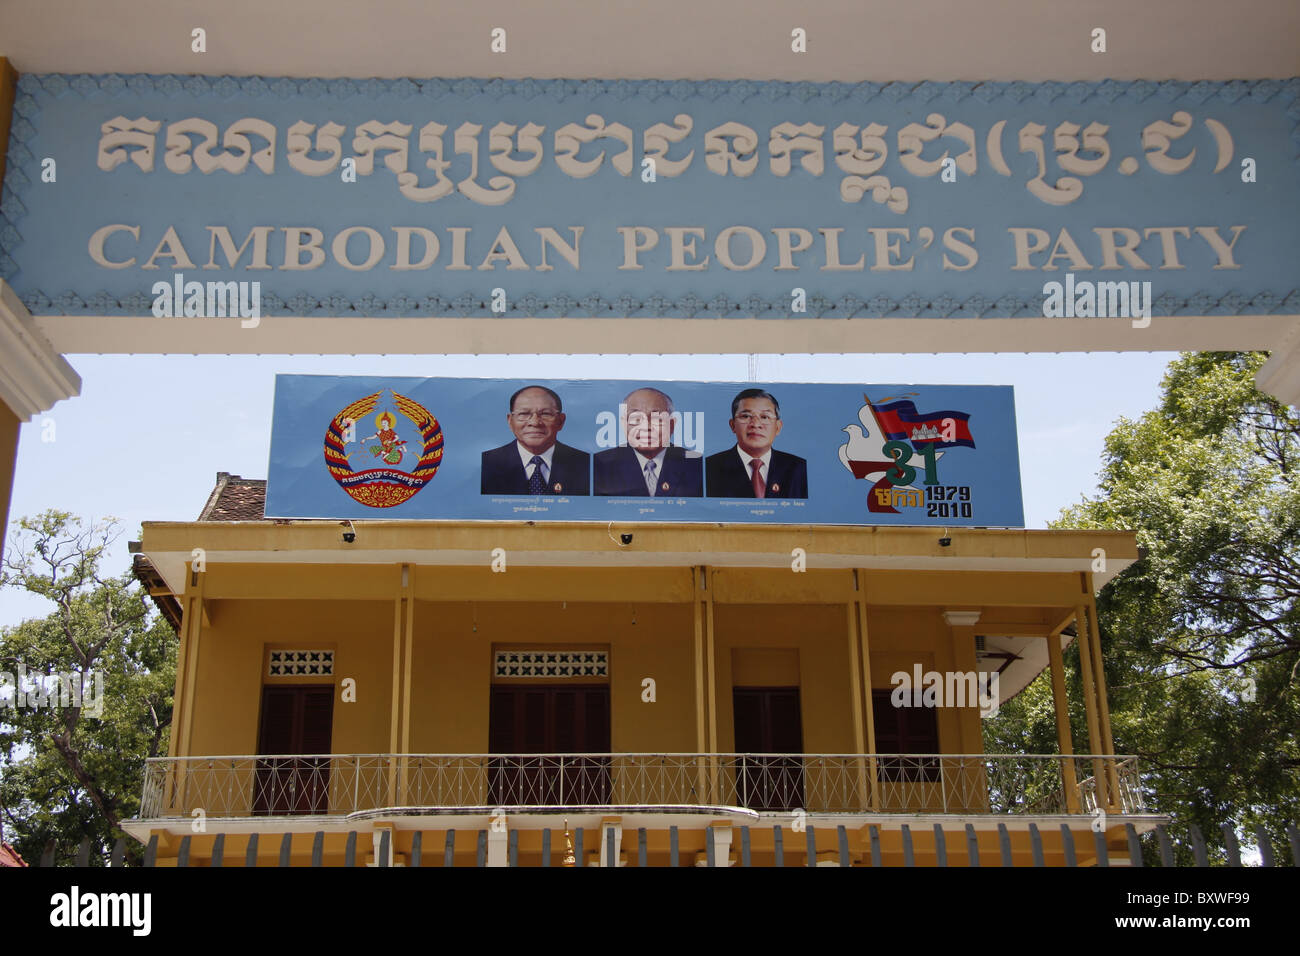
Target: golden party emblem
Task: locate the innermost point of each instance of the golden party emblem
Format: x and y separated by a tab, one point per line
402	429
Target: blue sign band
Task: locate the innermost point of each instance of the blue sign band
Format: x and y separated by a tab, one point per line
537	198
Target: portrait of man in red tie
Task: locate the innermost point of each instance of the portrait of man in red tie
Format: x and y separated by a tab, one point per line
752	468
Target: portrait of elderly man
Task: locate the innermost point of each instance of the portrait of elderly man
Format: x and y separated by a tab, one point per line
535	463
649	465
752	468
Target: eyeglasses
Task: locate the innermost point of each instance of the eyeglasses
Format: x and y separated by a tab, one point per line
765	418
547	416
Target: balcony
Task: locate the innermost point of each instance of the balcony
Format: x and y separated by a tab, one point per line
338	785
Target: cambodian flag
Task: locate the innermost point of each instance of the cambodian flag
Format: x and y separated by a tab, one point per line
900	421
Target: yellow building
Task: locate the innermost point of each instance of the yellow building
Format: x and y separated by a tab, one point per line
494	693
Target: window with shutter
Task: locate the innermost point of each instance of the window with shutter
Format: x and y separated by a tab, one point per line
560	719
905	730
768	721
296	719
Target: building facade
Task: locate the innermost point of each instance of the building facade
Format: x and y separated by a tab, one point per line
504	693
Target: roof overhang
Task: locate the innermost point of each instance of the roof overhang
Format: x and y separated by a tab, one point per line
170	545
1016	652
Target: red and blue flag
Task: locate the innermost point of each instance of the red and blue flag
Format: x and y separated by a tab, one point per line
900	421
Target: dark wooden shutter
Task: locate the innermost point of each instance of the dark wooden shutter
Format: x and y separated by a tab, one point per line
501	721
748	712
279	732
317	727
768	720
556	719
595	721
905	730
295	720
784	721
566	713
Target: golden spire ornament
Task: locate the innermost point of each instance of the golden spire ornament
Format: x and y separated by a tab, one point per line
569	859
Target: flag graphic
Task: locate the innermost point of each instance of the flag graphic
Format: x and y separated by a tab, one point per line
900	421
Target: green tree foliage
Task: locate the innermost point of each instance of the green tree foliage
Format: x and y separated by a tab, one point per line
1210	618
65	774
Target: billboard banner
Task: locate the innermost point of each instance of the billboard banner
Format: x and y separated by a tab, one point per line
606	450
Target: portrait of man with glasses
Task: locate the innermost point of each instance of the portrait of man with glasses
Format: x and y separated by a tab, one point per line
752	468
535	463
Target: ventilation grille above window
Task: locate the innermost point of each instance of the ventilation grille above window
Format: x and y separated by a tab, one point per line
548	664
301	663
979	642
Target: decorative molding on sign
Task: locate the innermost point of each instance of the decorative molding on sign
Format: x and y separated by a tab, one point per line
17	159
690	306
738	91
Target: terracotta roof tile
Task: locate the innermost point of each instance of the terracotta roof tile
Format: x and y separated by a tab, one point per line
10	857
235	499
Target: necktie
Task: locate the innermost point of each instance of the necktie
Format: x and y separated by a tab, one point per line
760	489
536	484
650	477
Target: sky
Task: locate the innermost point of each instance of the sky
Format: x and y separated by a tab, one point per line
147	435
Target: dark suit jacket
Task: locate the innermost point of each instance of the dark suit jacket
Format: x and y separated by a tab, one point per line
618	472
502	472
726	477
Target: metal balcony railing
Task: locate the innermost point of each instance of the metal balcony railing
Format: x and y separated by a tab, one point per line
338	784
